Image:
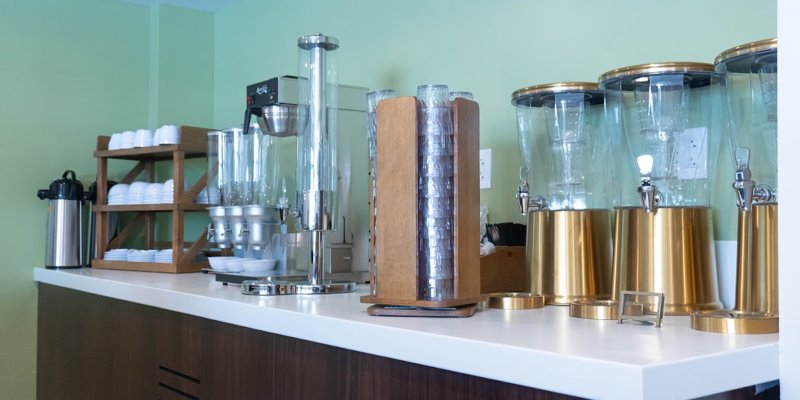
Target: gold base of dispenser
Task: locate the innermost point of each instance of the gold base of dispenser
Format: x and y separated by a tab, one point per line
756	278
568	256
757	260
735	322
670	251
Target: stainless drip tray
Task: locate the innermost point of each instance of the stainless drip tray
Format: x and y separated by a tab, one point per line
236	278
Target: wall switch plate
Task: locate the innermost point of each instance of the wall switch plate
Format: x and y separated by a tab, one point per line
486	168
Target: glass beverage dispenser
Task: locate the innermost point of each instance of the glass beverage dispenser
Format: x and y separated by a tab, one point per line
665	138
563	149
749	76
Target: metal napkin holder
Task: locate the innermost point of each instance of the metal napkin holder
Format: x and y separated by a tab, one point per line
626	297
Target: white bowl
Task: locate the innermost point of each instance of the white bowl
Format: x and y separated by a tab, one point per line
234	264
153	190
137	189
120	189
258	266
218	263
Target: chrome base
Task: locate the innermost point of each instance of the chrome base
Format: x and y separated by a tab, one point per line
268	288
325	288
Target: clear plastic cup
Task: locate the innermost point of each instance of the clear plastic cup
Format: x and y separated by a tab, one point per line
436	145
435	186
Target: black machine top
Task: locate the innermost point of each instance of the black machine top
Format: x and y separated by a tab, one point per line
63	189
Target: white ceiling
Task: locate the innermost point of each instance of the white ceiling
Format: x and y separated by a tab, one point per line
204	5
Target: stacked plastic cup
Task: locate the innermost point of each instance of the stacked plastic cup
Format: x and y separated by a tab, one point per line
373	98
435	193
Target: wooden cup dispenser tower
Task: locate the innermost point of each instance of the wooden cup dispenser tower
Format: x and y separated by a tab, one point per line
415	265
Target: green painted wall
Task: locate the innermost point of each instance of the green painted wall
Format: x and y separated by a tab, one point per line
489	48
69	71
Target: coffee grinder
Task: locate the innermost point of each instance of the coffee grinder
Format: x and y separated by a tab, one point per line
568	210
664	134
749	75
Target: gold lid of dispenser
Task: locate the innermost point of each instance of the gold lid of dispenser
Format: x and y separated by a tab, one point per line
514	301
602	309
699	73
760	46
532	96
735	322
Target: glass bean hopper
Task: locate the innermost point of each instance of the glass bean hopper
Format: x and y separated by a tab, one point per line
749	81
664	135
565	190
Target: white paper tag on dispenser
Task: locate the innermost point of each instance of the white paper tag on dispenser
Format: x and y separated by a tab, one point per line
691	161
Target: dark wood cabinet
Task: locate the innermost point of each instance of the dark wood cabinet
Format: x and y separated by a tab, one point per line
95	347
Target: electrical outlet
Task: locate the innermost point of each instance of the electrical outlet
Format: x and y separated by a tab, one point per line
486	168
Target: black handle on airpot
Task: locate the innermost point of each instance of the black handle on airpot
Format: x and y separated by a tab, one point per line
63	189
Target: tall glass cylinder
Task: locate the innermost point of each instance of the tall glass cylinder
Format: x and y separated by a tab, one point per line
317	173
227	160
664	122
239	151
561	142
265	185
435	212
216	166
669	112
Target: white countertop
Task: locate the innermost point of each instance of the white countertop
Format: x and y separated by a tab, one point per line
543	348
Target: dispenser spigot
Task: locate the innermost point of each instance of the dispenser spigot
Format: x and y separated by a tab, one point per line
210	232
747	191
283	204
648	192
526	202
522	197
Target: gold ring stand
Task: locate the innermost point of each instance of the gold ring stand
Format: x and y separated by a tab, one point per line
756	310
514	301
602	309
568	255
669	250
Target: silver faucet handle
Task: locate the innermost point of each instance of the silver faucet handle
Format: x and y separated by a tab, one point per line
648	193
645	163
742	157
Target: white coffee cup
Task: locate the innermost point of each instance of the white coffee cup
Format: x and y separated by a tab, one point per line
169	135
128	140
144	138
115	141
